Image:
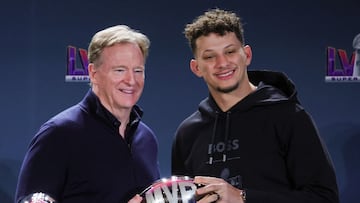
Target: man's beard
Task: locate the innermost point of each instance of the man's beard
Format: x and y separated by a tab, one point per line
228	89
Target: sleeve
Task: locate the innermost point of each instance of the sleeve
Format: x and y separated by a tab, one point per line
44	166
309	166
145	151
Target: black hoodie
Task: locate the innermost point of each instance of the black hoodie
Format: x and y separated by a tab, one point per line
266	143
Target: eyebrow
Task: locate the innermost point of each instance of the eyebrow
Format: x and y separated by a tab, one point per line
226	47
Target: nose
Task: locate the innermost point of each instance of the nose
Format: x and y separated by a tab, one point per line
222	61
130	78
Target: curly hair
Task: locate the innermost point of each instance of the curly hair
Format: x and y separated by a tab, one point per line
214	21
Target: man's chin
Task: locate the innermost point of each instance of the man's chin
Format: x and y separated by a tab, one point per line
227	89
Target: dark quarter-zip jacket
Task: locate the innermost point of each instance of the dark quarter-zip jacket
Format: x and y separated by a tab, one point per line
78	156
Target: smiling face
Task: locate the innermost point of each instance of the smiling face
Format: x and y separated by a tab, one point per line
119	78
222	62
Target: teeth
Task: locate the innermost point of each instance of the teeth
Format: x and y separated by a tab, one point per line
127	91
226	74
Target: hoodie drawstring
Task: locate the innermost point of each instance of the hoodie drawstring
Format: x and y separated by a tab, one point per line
227	128
213	137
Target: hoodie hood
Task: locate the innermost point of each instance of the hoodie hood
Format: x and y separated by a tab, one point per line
272	88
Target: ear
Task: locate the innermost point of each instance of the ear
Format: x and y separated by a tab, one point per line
248	54
195	68
92	72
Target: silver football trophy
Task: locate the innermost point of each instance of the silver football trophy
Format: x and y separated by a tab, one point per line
356	46
38	197
176	189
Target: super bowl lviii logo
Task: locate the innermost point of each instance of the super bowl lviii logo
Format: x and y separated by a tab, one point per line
76	72
347	69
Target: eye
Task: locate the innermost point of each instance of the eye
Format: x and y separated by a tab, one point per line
206	57
230	51
139	70
120	69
